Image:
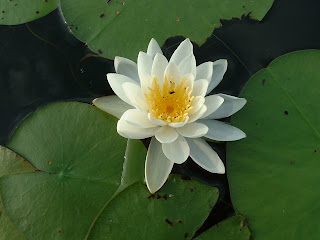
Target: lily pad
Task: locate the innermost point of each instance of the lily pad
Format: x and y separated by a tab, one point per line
15	12
81	178
124	27
233	228
274	172
174	212
11	163
79	157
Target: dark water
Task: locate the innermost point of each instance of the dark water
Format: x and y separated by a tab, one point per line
41	62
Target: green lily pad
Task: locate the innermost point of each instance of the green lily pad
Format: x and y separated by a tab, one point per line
125	27
15	12
11	163
80	162
233	228
274	172
174	212
81	177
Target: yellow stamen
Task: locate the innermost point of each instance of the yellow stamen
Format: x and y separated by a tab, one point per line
170	103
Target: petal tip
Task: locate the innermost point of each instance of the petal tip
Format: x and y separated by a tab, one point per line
222	171
152	40
94	101
244	101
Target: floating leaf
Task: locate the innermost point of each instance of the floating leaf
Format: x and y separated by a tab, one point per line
233	228
80	159
11	163
82	177
174	212
274	172
124	27
16	12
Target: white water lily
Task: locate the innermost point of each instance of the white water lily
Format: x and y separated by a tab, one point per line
166	100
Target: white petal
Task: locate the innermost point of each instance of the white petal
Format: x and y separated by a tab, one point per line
188	65
177	151
166	134
204	71
172	71
153	48
221	131
126	67
205	156
160	64
144	70
184	49
116	81
213	102
190	78
156	121
138	119
230	106
219	69
128	131
198	114
157	167
134	94
112	105
196	104
193	130
179	124
200	87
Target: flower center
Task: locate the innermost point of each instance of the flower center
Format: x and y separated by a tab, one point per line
170	103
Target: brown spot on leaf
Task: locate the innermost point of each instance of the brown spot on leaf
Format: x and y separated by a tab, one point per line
102	15
286	112
158	196
191	189
169	222
165	196
37	12
243	222
123	3
59	231
186	235
180	221
263	81
152	196
117	12
100	51
292	162
315	151
49	162
177	19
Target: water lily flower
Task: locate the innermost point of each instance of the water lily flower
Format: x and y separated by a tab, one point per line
166	100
